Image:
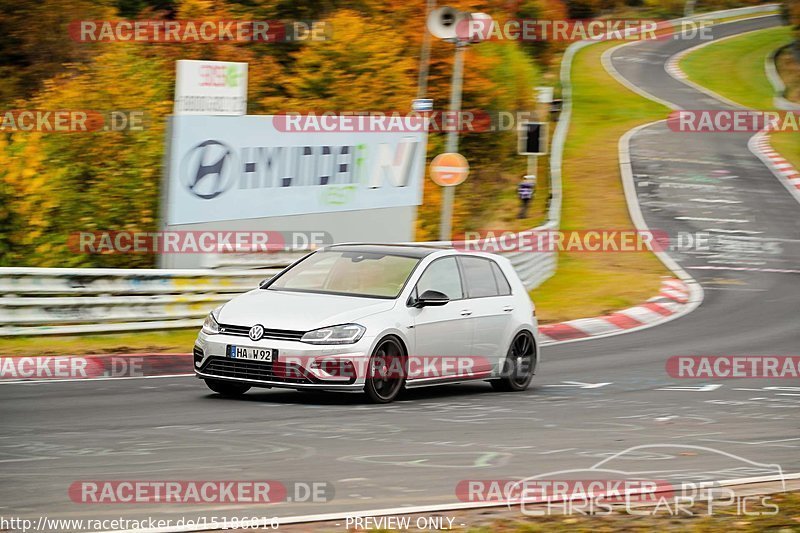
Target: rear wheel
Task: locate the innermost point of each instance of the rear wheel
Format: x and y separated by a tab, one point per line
227	388
518	366
386	373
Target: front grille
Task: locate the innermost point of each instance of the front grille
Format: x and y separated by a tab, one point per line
274	334
257	370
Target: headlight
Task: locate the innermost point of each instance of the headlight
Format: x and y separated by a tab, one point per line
343	334
210	326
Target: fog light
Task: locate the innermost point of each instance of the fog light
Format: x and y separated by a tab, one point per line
339	368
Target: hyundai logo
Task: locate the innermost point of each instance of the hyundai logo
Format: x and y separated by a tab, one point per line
256	332
207	170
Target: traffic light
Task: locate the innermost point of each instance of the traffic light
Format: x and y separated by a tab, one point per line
532	138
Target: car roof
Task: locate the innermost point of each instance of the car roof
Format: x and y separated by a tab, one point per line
417	251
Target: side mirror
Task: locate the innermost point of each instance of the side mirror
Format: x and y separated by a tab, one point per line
431	298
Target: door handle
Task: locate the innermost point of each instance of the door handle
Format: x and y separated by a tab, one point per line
508	309
466	312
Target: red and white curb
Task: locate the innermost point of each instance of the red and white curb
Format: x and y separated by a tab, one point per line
782	169
672	67
672	299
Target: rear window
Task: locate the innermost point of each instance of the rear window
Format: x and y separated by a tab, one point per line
502	283
479	277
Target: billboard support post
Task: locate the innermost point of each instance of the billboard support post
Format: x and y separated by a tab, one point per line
448	193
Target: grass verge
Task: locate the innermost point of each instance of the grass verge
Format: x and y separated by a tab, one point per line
167	341
590	284
787	143
735	69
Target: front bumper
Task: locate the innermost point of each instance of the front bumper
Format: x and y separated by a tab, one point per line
298	365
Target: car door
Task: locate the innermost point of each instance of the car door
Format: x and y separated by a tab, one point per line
489	297
443	334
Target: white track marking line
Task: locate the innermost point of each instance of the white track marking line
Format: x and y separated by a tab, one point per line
704	219
714	201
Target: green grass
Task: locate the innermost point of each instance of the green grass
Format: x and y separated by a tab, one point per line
589	284
734	68
787	144
177	341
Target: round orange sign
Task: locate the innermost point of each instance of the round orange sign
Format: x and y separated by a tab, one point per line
449	169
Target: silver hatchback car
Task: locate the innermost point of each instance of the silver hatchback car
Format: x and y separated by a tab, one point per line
374	318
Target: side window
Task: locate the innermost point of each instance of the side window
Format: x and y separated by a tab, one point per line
442	275
478	277
502	283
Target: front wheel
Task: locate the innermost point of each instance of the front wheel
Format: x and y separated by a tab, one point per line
227	388
518	366
386	372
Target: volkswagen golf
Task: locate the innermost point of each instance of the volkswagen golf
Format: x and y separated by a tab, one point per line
377	319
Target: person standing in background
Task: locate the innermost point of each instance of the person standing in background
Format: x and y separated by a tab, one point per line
525	193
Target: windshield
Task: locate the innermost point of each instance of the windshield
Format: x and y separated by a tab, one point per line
351	273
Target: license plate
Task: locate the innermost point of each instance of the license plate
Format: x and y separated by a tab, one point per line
256	354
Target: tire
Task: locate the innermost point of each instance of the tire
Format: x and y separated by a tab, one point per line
388	359
227	388
518	366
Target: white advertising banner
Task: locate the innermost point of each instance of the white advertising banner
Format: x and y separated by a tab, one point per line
210	88
231	168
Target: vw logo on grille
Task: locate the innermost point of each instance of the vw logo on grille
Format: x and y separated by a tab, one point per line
256	332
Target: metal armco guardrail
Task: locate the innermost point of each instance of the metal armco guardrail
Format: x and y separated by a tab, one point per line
40	301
